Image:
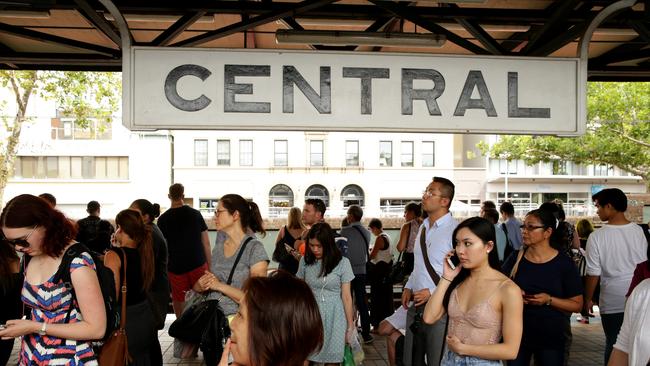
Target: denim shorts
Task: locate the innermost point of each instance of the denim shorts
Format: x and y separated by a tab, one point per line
452	359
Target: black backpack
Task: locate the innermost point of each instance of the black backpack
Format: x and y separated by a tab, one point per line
106	283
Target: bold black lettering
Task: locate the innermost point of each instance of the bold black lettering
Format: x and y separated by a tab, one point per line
428	95
231	89
475	80
322	102
513	102
171	92
366	74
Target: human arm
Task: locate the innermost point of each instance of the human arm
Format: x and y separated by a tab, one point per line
205	240
435	308
112	261
576	241
91	306
590	287
210	282
637	277
511	326
346	297
403	238
570	305
618	358
380	243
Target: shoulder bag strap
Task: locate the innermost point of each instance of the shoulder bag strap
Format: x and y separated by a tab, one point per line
425	256
123	288
357	228
408	238
515	267
241	252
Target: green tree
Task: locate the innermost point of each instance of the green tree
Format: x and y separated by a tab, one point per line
617	133
78	95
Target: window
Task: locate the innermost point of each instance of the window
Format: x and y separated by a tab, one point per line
92	129
208	205
601	170
320	192
509	166
385	153
223	152
281	196
72	167
352	153
407	153
200	152
281	153
246	152
559	167
316	153
352	195
428	153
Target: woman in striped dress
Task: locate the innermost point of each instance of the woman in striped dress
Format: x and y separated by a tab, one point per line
57	329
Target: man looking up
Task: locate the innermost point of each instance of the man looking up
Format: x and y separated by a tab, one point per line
423	339
188	244
613	251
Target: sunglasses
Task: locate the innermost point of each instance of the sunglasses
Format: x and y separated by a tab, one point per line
22	242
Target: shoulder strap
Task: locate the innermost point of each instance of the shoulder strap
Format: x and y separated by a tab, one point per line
515	267
241	252
425	256
63	273
356	227
123	288
504	228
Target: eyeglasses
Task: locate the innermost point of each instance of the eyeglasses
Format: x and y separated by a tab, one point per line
531	227
427	193
218	212
22	242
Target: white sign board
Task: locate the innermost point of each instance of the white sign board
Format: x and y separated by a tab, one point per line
181	88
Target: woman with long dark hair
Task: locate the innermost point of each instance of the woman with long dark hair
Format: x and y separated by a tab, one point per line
297	330
550	286
329	274
10	282
49	334
483	305
133	237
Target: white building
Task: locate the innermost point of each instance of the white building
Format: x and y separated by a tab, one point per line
279	169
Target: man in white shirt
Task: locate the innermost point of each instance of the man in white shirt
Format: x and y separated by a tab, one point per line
613	252
422	339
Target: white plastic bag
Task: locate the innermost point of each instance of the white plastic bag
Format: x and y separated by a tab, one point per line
355	344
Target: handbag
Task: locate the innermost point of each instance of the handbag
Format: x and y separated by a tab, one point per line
204	322
115	351
398	271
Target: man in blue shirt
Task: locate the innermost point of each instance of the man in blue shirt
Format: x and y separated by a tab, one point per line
422	339
512	225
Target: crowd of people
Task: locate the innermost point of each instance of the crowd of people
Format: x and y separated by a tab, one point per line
483	291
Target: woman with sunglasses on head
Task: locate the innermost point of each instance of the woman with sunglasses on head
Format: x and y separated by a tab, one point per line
483	305
58	329
550	286
296	323
329	274
133	237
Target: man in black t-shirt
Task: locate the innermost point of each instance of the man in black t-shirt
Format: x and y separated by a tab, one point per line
94	232
188	244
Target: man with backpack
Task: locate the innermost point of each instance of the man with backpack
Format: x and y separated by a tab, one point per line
512	227
95	232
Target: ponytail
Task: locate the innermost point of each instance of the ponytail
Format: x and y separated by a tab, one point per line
249	213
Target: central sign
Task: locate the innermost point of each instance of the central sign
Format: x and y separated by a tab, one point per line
270	90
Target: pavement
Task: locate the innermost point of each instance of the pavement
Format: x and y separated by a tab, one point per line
587	348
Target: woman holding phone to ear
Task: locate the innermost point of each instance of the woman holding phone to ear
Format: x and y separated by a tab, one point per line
476	295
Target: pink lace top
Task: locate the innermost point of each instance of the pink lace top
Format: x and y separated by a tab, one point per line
479	325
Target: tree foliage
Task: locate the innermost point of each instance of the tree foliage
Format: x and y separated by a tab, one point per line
78	95
617	133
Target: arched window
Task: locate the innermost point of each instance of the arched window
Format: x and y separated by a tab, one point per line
352	195
281	196
318	191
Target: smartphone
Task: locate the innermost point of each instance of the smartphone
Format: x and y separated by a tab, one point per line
453	261
289	248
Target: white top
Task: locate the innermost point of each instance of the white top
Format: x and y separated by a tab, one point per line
438	242
634	336
613	252
383	255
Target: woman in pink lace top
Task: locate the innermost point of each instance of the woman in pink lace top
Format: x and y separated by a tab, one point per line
476	295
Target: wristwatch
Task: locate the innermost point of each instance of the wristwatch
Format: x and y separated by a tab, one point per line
43	330
550	299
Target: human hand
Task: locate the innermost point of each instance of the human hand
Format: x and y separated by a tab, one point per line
537	299
421	297
455	345
589	306
349	334
406	297
447	272
225	355
19	327
208	282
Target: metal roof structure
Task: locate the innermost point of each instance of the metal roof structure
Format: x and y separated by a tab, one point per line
83	35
